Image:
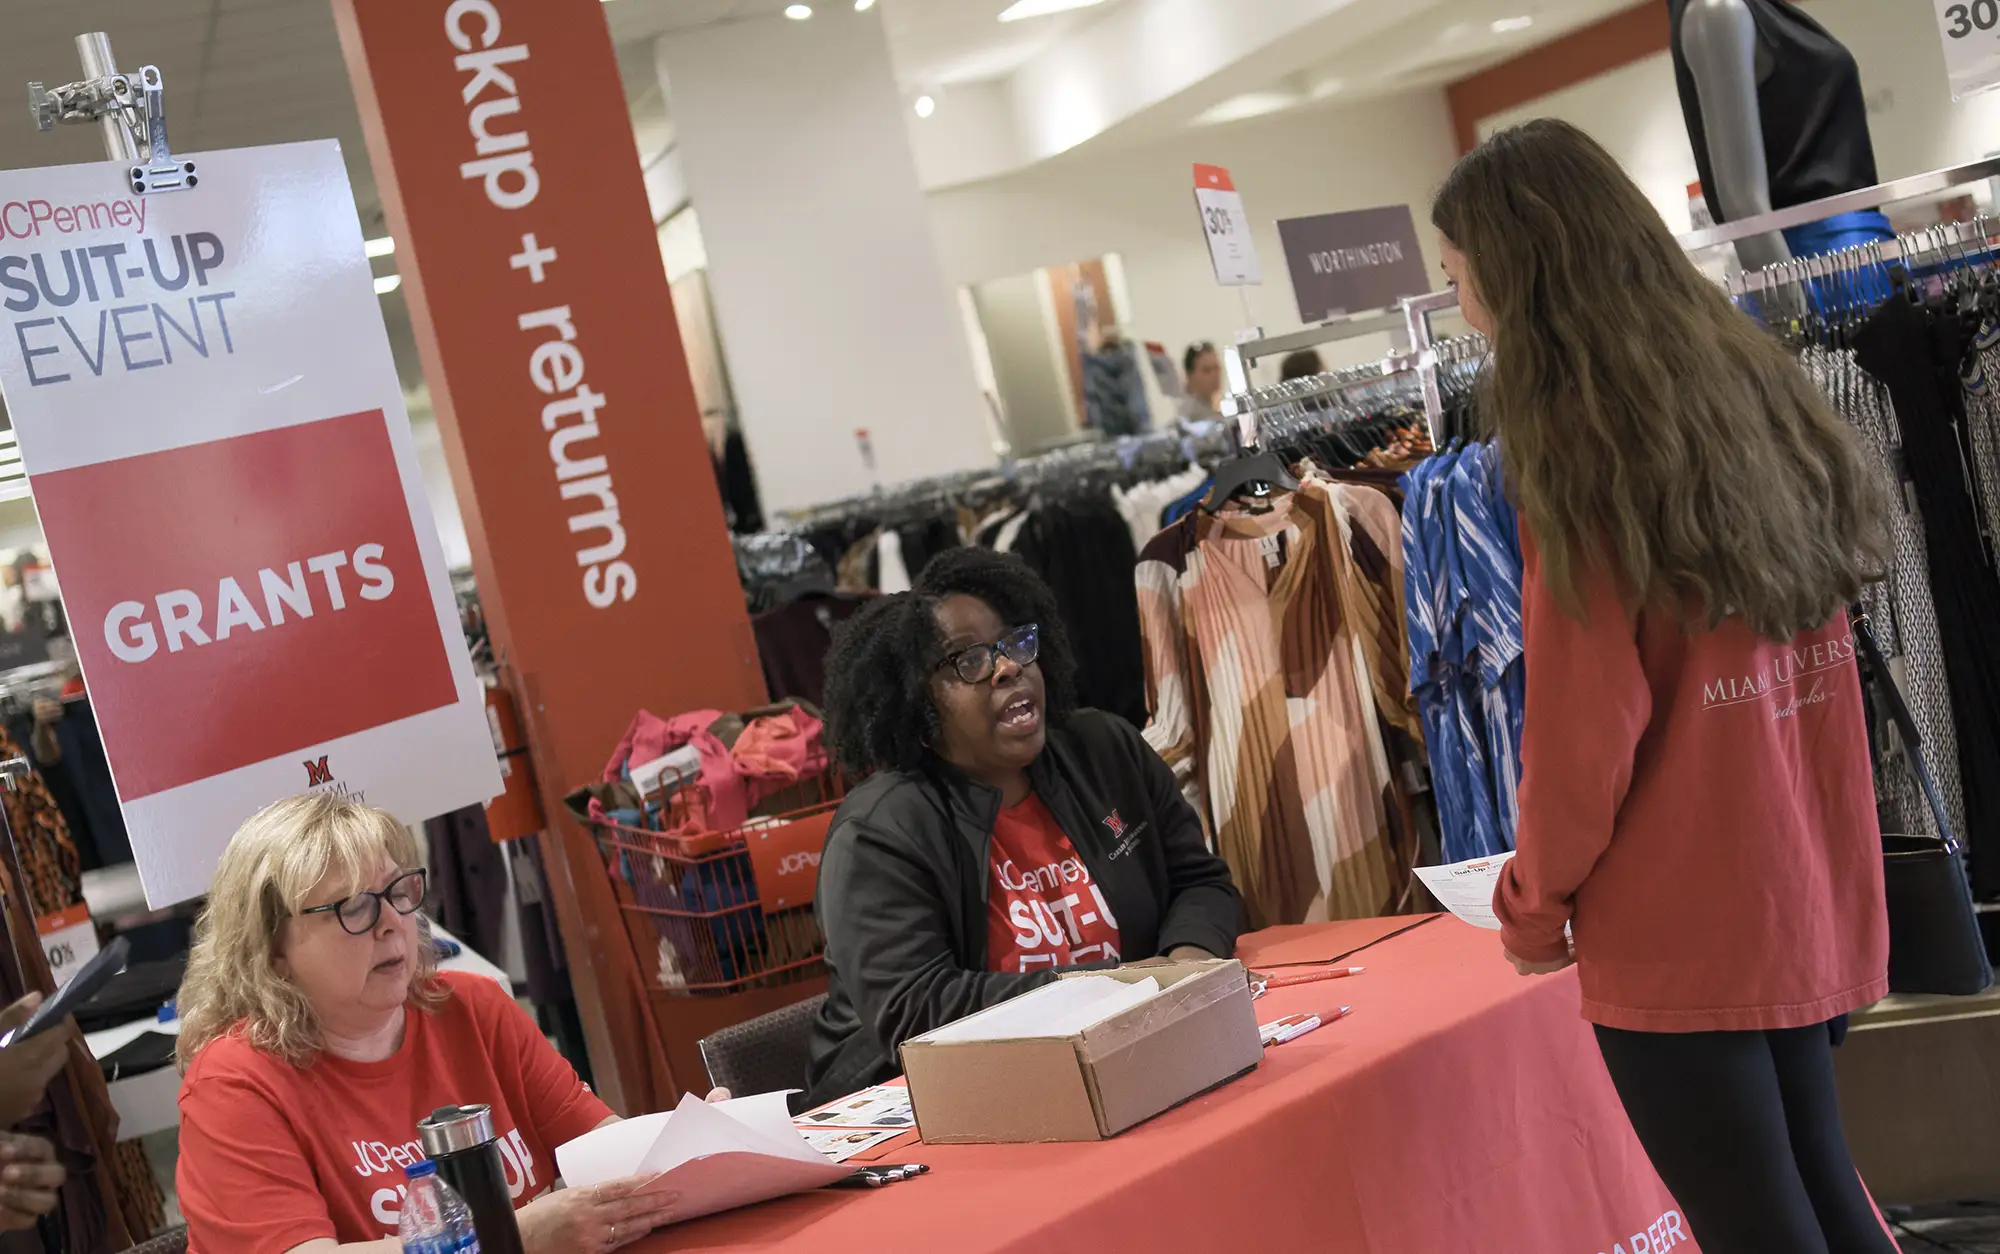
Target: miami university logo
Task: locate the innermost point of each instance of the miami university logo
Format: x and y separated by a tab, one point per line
1116	824
319	772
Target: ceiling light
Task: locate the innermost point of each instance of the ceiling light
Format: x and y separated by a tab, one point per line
381	246
1042	8
798	12
1508	25
925	106
387	283
862	6
1254	104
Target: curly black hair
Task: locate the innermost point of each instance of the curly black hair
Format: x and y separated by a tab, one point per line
879	714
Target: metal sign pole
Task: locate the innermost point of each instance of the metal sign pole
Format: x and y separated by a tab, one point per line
94	51
130	111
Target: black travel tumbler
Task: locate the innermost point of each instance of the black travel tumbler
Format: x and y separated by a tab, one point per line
460	1140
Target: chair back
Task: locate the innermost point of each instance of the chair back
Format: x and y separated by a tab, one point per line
766	1055
172	1241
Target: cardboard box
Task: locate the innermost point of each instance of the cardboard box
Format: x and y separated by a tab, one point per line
1201	1031
1920	1096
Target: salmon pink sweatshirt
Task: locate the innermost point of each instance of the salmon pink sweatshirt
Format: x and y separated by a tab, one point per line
1699	807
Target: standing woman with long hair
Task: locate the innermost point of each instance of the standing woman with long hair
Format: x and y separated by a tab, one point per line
1697	806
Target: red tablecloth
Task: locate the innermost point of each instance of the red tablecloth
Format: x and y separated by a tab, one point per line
1459	1108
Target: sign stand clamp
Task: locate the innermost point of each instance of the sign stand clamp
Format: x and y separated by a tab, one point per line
130	109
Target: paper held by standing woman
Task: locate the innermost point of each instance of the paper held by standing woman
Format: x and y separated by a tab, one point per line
1466	888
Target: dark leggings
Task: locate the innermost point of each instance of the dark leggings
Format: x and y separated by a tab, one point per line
1744	1127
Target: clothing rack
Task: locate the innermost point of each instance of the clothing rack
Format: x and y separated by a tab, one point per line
1237	358
1911	188
1913	248
1328	383
1412	317
1163	450
36	680
1417	313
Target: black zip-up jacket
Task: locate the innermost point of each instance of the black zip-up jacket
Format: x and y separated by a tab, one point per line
903	889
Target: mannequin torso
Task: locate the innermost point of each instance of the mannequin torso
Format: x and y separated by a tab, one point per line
1774	109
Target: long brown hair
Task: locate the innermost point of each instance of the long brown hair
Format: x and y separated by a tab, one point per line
1644	423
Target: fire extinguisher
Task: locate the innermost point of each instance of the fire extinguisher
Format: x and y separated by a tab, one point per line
517	811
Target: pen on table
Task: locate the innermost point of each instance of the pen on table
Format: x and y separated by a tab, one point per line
1292	1027
1312	977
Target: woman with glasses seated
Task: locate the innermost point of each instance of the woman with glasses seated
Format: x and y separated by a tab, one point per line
316	1032
1003	837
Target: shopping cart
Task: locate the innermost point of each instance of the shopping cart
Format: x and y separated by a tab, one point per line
713	912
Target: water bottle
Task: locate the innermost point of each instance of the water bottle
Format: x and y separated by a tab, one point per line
461	1141
435	1219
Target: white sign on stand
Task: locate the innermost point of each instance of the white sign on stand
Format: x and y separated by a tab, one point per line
1971	33
1227	228
69	941
214	432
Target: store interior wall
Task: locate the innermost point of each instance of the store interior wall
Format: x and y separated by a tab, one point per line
1022	337
437	487
1138	201
1635	110
829	300
19	528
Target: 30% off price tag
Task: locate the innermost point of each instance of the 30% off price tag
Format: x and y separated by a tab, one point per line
69	940
1971	33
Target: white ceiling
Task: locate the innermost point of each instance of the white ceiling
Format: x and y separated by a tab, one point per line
934	43
1432	47
941	43
245	72
238	72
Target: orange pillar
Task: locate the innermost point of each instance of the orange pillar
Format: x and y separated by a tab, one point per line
498	133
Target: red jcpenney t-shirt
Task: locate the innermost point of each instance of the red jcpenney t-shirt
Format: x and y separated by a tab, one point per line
1043	909
273	1156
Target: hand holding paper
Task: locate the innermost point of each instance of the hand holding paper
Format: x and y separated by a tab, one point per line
1466	888
716	1157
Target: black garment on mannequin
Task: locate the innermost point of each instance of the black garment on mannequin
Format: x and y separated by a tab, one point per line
1815	118
1916	354
1744	1128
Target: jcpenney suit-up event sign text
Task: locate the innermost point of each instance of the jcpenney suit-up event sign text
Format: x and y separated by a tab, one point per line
214	431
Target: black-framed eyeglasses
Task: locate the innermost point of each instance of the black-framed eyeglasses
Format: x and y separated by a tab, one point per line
360	913
975	665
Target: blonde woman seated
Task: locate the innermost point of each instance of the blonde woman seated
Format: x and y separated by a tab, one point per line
317	1031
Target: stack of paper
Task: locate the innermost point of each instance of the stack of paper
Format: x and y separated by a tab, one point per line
1064	1008
716	1157
858	1123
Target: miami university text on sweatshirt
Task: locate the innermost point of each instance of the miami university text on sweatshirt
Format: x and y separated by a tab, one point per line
1699	807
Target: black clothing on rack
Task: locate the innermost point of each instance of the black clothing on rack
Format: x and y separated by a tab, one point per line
921	542
1082	547
737	483
469	896
80	782
1815	119
792	640
1916	354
